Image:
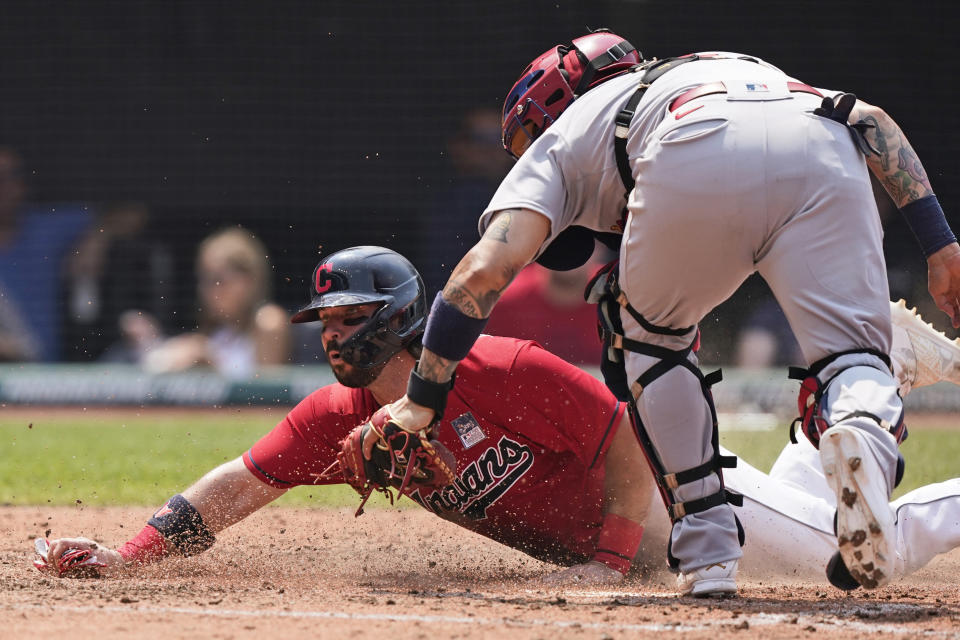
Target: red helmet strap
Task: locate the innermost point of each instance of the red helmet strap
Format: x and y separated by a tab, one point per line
562	51
591	67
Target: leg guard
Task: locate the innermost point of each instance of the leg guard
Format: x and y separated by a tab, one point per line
668	482
851	411
604	291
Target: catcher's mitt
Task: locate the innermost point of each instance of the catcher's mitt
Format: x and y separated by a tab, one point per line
399	459
74	563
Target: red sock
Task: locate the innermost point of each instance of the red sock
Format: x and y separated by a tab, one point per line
146	547
618	542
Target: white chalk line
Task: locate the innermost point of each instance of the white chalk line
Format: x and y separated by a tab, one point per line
753	620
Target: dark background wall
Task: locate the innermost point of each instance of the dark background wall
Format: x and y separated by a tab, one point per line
324	124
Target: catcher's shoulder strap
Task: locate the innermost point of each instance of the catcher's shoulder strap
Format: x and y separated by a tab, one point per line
625	116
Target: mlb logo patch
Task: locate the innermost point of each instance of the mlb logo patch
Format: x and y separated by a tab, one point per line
468	430
756	87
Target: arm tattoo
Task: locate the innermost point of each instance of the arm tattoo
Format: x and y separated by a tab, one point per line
462	299
473	304
907	160
474	299
476	304
906	183
488	299
880	142
501	226
433	367
905	180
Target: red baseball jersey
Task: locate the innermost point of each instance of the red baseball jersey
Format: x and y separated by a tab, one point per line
528	430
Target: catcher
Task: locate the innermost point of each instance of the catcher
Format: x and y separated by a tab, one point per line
531	452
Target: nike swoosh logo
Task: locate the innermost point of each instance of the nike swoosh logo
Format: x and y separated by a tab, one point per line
688	111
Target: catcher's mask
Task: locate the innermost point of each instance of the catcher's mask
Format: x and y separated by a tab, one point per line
551	82
362	275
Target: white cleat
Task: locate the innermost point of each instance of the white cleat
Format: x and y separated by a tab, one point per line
922	354
718	580
865	521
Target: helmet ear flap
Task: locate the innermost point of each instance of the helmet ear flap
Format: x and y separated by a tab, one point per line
573	75
562	51
587	71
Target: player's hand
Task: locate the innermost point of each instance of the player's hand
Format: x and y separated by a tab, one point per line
943	280
593	573
407	414
76	557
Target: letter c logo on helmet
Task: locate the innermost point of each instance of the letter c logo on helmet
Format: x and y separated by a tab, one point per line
555	79
323	281
370	275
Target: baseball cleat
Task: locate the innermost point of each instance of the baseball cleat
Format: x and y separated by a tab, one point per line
924	354
865	521
718	580
838	574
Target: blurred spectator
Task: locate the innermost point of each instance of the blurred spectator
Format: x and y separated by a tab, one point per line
17	342
307	343
239	330
548	306
479	163
33	243
765	338
117	265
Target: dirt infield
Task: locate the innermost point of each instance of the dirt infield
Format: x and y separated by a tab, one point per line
291	573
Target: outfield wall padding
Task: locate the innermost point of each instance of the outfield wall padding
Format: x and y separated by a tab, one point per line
760	391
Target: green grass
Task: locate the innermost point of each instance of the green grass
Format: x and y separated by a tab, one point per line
932	454
126	459
121	458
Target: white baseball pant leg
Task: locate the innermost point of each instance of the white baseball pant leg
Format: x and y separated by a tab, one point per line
794	503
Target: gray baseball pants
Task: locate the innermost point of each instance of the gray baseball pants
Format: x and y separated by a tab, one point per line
737	187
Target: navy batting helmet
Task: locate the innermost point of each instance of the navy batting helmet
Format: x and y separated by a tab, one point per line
367	274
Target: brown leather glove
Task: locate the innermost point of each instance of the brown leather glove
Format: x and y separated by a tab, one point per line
400	459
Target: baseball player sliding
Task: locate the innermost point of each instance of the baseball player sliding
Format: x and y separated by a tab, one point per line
544	457
713	166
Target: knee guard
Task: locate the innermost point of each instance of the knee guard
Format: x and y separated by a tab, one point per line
810	400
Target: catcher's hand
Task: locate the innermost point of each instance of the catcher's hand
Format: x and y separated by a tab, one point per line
943	281
398	459
73	558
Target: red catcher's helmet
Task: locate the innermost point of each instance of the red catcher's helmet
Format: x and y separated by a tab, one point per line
551	82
